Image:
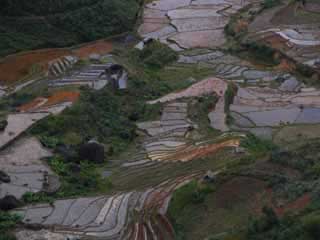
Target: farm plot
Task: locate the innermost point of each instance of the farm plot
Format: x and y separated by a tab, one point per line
130	215
185	24
298	36
265	109
22	163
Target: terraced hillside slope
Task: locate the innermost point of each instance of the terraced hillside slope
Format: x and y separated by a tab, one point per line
200	130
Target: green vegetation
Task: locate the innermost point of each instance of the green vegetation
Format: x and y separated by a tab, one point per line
77	180
154	55
7	222
271	3
109	116
300	227
258	147
304	158
26	25
261	53
30	197
198	112
229	96
81	180
192	193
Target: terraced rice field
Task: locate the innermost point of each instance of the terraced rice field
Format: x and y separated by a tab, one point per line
297	37
94	76
186	24
131	215
171	151
265	109
22	162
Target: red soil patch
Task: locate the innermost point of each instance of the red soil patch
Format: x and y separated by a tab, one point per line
297	205
204	151
163	220
241	26
16	67
286	65
56	98
31	105
99	47
238	190
61	97
277	42
158	232
267	198
140	232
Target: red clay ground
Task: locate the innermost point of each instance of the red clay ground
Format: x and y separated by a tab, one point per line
237	190
56	98
295	206
16	67
267	198
204	151
99	47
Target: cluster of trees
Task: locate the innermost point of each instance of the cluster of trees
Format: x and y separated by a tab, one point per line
41	7
26	25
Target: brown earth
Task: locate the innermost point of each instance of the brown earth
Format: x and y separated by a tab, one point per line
267	198
17	67
237	190
295	206
204	151
56	98
286	66
99	47
294	13
31	105
276	41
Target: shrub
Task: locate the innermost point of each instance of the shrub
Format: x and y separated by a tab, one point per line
155	55
229	95
265	223
30	197
7	222
261	52
311	224
258	146
58	165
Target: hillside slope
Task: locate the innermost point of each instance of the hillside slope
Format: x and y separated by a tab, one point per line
26	25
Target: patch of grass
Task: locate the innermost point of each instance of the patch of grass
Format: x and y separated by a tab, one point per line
258	147
8	222
271	3
30	197
191	193
78	180
183	198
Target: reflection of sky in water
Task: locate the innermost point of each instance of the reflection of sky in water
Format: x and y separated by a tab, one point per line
274	117
309	115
